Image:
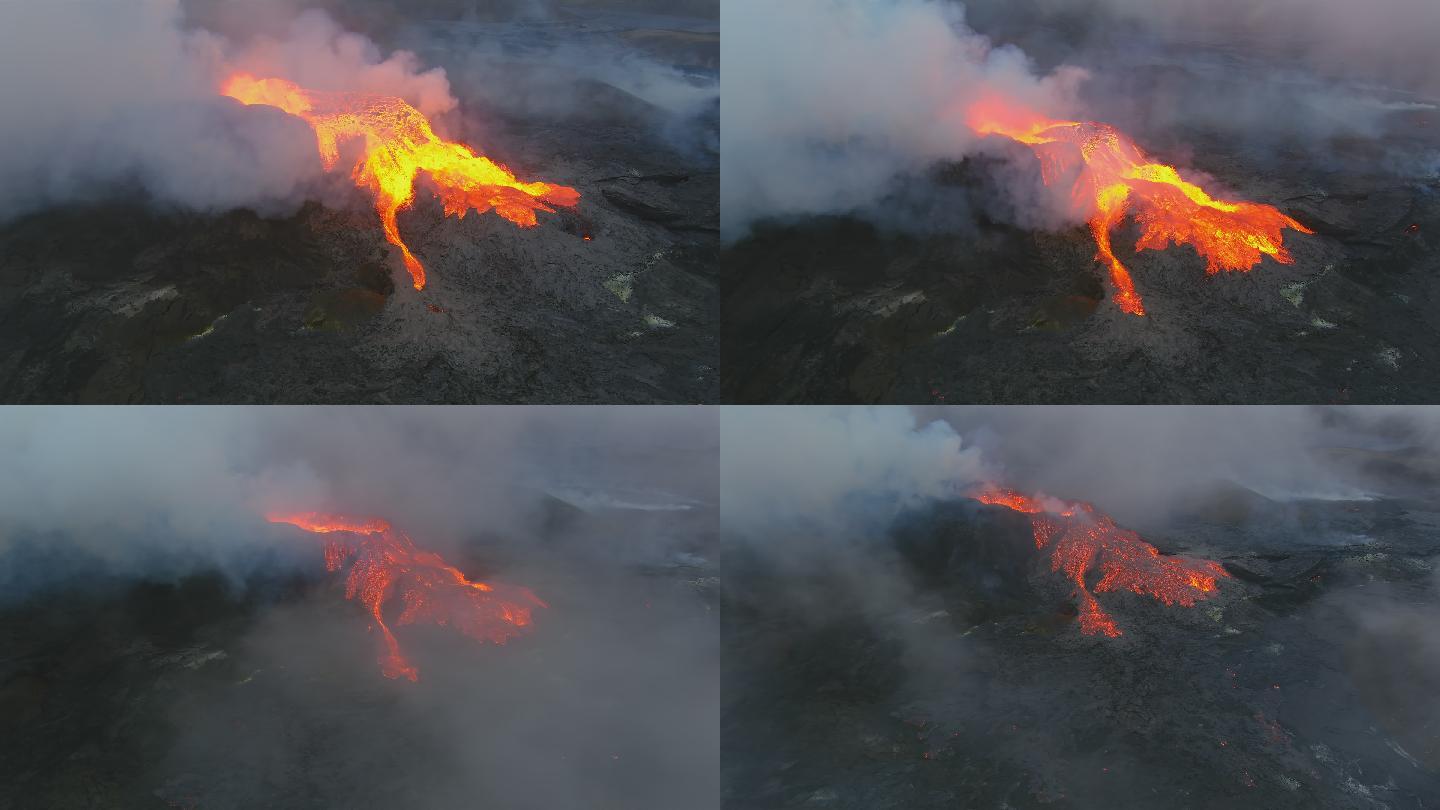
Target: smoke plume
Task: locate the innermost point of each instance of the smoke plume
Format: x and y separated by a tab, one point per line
848	107
849	471
836	469
141	493
829	101
119	99
223	666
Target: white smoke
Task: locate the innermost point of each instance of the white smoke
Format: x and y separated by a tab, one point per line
796	471
150	491
316	53
110	98
826	102
840	106
835	469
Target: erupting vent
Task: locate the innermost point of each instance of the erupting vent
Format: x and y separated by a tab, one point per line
1114	177
386	563
399	144
1080	538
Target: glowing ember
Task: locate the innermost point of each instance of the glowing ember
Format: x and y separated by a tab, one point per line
386	563
1114	177
1081	539
399	144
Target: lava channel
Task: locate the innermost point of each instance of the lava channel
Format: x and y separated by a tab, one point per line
399	143
385	563
1080	538
1114	177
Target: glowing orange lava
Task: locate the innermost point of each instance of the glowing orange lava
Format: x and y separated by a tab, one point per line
398	144
386	563
1080	539
1114	177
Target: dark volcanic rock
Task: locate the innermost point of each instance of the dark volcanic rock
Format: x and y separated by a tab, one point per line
649	211
1015	317
1306	683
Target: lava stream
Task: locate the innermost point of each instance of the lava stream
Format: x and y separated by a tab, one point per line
1080	539
1115	178
386	563
399	144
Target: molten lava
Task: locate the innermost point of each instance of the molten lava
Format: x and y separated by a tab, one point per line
398	143
1081	539
1114	177
386	564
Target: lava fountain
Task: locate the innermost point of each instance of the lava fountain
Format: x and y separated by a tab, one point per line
398	144
385	563
1114	177
1080	538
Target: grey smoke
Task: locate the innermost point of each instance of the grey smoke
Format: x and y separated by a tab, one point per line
848	106
835	470
807	496
1141	463
1387	40
811	494
270	695
165	492
817	622
828	101
849	470
117	98
586	81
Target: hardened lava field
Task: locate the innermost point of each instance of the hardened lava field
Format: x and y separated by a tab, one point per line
1039	663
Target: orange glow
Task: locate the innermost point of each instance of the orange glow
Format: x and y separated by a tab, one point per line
387	563
398	143
1081	539
1113	178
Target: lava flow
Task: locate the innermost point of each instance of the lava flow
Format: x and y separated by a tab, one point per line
386	563
1114	177
1080	538
399	144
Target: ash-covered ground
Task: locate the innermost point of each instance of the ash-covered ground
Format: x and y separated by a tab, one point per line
1309	681
199	692
120	302
937	296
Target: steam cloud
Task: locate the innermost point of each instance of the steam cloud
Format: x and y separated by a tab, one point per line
141	493
1139	464
835	468
835	608
829	101
846	106
114	519
853	469
120	99
810	494
117	96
